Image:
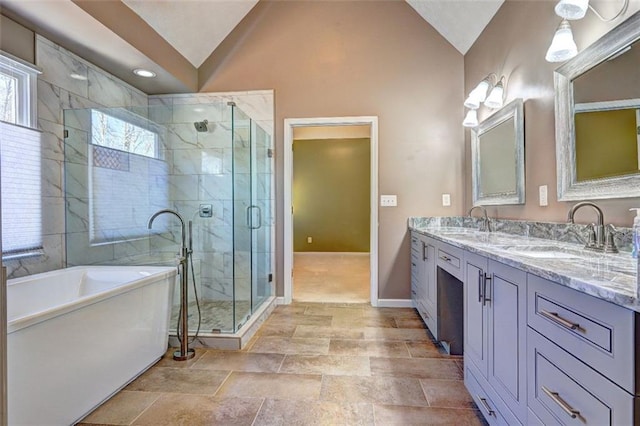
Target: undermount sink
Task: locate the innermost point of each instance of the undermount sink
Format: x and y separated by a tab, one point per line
544	254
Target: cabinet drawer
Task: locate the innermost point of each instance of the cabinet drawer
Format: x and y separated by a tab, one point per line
563	391
597	332
488	403
450	259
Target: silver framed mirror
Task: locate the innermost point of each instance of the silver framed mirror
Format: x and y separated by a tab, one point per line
497	157
597	116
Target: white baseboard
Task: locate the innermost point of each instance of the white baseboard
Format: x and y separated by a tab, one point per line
280	301
395	303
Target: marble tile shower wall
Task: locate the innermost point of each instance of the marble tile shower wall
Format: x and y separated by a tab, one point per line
58	91
202	173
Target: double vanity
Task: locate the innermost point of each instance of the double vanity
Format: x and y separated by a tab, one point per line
548	329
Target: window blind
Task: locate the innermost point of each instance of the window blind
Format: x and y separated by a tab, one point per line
20	183
125	190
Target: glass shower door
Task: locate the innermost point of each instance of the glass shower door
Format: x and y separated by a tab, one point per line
261	155
243	212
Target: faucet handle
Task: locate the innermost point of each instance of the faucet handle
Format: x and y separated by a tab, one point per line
610	244
591	237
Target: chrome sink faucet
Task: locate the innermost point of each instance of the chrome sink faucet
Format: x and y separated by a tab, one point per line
485	225
598	226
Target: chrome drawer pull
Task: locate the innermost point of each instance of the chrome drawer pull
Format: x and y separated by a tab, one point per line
445	258
486	405
555	396
424	251
553	316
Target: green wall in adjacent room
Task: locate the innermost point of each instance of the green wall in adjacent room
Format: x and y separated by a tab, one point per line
331	195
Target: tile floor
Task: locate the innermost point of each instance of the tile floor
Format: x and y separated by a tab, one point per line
310	364
331	277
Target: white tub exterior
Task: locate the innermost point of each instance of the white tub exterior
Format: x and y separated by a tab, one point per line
78	335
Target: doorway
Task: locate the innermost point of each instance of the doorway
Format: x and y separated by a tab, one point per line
327	260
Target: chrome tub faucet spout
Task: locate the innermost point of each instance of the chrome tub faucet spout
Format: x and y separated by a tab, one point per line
184	353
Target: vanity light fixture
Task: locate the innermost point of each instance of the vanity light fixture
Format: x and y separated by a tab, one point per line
562	46
495	99
471	119
141	72
479	93
489	85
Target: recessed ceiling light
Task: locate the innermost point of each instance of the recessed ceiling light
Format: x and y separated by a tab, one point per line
77	76
144	73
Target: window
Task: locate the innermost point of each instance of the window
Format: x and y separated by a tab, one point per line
18	82
20	178
112	132
8	98
127	180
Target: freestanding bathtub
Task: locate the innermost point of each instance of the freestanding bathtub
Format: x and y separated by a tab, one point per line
78	335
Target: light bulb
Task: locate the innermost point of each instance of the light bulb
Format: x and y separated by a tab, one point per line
495	99
471	119
572	9
472	102
562	46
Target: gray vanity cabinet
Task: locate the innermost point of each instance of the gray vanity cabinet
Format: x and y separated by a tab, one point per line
495	343
423	280
582	360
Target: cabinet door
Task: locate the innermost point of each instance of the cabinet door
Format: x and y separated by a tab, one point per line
429	277
505	296
416	266
475	320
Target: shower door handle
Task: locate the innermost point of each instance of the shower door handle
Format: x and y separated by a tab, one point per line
250	217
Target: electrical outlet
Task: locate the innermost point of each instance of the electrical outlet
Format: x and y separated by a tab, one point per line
388	200
543	195
446	200
309	240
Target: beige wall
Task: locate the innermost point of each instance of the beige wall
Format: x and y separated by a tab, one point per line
17	40
514	44
354	58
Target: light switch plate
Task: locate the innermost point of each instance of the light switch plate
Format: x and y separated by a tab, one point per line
446	200
388	200
542	195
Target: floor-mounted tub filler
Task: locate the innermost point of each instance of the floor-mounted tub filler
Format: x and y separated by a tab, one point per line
78	335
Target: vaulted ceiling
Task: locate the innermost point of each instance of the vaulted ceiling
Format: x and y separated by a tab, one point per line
178	36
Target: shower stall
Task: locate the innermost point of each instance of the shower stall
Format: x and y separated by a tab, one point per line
200	155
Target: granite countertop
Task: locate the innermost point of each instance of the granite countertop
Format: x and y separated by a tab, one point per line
610	277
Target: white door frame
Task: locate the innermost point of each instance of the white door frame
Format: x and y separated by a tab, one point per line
289	124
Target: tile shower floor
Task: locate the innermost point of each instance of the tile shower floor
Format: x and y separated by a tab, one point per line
217	315
310	363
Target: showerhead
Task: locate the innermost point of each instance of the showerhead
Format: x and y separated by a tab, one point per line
201	126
